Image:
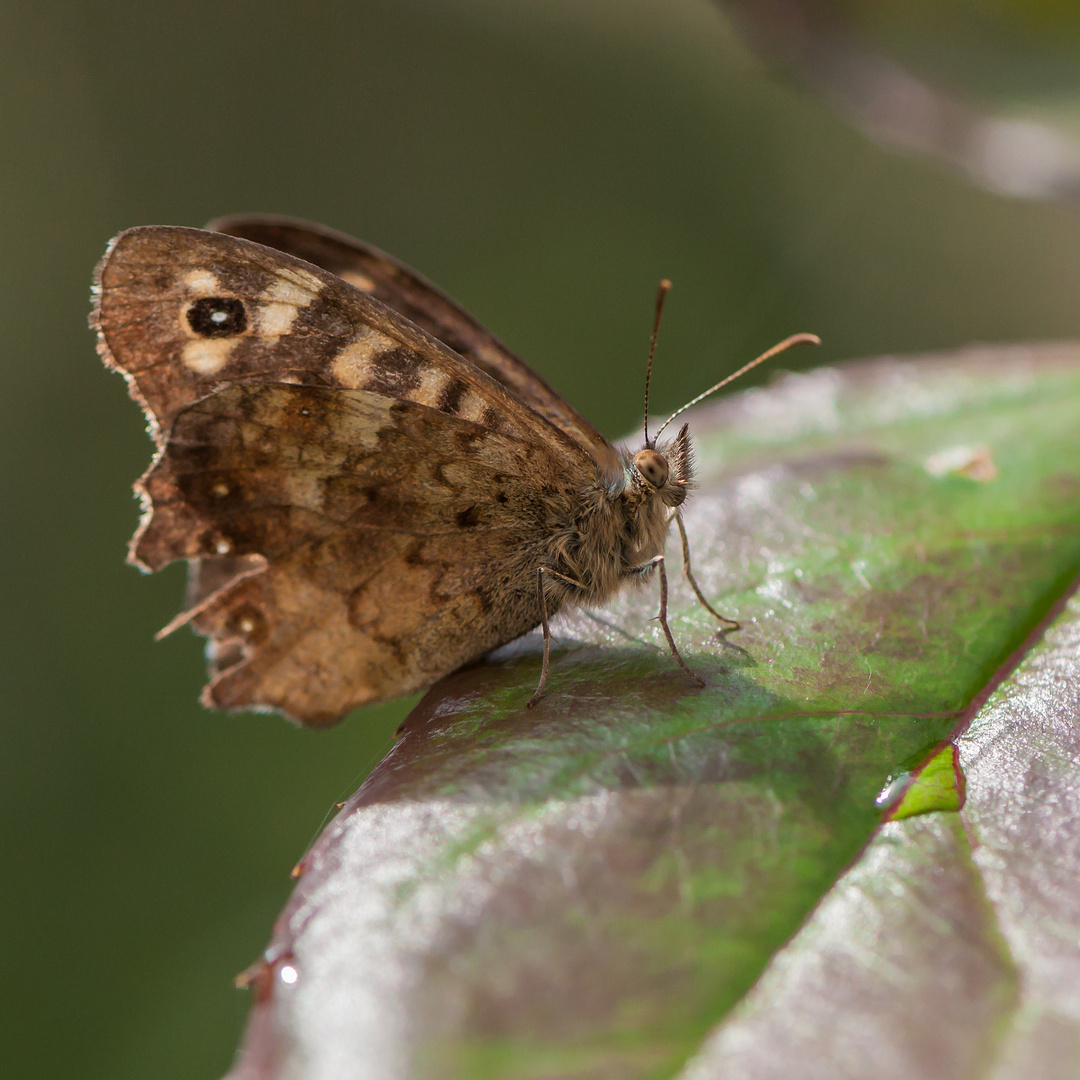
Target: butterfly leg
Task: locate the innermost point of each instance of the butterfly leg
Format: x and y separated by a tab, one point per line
732	623
541	600
658	563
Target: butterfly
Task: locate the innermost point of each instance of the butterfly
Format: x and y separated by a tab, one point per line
370	490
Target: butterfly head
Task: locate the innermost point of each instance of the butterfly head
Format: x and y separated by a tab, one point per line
665	471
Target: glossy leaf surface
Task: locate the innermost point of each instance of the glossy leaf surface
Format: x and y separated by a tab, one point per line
587	888
952	948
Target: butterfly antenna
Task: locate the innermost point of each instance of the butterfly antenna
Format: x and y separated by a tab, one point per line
783	346
661	295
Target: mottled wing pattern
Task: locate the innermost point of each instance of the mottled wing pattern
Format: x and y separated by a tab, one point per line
382	496
182	312
407	292
397	549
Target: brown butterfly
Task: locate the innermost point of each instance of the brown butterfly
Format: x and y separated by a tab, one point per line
369	488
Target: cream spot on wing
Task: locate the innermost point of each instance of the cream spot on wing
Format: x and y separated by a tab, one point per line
202	283
282	299
354	366
206	357
471	407
223	547
292	286
276	319
432	383
361	281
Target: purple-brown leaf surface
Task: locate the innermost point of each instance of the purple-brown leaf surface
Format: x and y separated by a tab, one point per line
641	878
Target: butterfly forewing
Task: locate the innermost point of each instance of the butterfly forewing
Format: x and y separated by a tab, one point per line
407	292
383	497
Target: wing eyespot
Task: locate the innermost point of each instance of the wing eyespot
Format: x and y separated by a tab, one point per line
217	317
249	623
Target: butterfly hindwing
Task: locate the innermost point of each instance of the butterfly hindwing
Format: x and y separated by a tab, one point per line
261	469
398	548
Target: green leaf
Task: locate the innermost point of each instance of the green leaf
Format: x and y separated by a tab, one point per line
989	89
936	784
587	888
950	949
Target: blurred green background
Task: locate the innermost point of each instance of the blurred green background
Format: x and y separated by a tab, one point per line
544	162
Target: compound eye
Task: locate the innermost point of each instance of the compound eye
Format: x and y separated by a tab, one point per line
652	466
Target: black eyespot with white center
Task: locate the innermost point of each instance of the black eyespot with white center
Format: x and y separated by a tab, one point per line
217	316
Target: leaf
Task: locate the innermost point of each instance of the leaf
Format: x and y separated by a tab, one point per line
587	888
988	89
950	949
937	785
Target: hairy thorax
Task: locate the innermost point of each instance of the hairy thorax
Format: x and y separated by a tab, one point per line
617	531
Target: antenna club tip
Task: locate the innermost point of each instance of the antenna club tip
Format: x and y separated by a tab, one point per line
665	284
800	339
